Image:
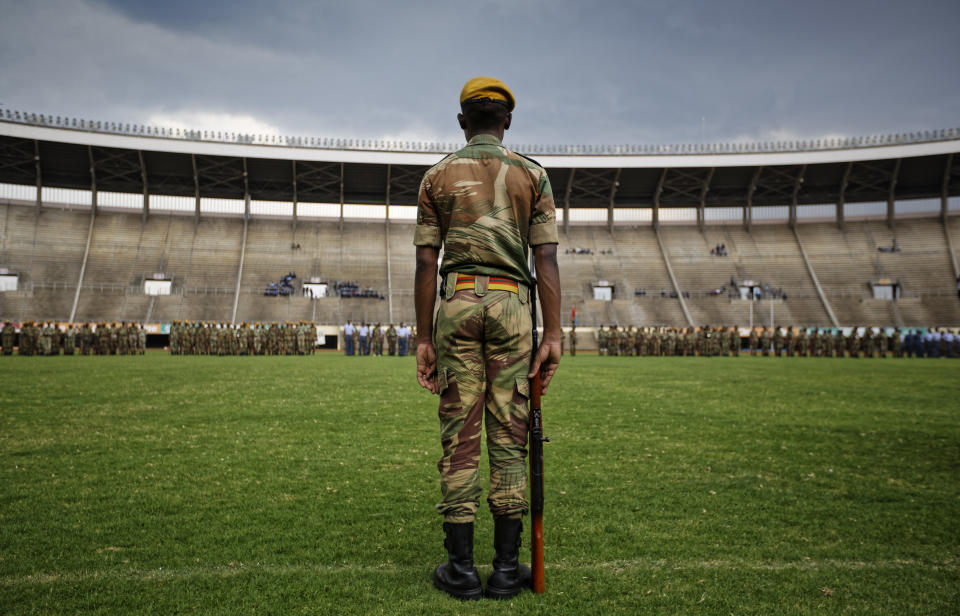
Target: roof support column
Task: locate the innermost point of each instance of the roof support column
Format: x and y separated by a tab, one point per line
841	201
613	195
944	209
93	180
293	165
196	190
86	250
655	219
944	188
243	242
701	213
387	240
246	190
797	185
566	202
146	191
36	159
341	198
892	192
748	208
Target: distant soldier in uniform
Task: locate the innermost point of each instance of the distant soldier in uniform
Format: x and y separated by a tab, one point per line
897	343
8	338
46	339
866	341
880	343
69	340
485	205
817	343
777	341
765	340
829	344
392	340
573	341
377	340
357	346
853	344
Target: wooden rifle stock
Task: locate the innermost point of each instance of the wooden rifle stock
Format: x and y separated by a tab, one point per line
536	486
536	441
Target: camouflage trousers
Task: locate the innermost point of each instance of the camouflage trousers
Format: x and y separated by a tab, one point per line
483	356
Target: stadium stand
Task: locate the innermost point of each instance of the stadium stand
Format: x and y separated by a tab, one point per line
203	259
663	214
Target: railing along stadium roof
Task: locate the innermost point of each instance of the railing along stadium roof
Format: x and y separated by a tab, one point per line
48	151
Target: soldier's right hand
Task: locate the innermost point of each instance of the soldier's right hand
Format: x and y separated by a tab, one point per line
427	366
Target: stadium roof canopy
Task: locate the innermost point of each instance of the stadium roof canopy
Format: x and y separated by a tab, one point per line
66	153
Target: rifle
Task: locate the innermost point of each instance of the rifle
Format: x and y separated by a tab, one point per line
536	463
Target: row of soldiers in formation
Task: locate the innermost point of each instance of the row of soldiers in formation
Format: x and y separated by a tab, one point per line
211	338
357	344
776	341
49	338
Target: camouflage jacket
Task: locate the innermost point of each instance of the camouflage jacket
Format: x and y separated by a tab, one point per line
485	204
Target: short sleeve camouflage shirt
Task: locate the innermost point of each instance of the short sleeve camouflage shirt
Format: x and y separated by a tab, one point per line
485	204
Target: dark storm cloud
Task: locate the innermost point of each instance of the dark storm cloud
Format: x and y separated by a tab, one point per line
602	72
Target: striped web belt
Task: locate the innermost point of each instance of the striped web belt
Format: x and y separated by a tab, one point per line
497	283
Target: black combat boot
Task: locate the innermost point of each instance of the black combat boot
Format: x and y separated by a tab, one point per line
458	576
509	576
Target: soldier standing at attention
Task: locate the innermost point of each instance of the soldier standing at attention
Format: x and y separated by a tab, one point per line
392	340
485	205
69	339
7	338
573	341
839	342
765	340
377	340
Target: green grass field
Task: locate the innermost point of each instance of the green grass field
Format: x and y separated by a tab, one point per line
306	485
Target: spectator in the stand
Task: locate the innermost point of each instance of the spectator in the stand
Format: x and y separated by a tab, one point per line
348	331
403	337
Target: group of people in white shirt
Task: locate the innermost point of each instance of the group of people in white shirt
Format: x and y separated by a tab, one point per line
363	338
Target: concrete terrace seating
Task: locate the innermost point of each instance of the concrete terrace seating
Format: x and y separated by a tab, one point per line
769	254
46	247
698	272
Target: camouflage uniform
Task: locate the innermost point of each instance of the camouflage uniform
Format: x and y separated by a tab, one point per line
392	340
7	338
484	204
573	341
69	340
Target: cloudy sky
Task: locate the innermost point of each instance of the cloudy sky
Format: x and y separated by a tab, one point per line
648	71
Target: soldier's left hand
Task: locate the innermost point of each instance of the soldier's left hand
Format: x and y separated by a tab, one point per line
547	360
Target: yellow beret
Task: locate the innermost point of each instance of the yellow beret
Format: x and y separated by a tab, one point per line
487	87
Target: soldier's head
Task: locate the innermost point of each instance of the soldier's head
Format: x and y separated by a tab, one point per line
485	107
